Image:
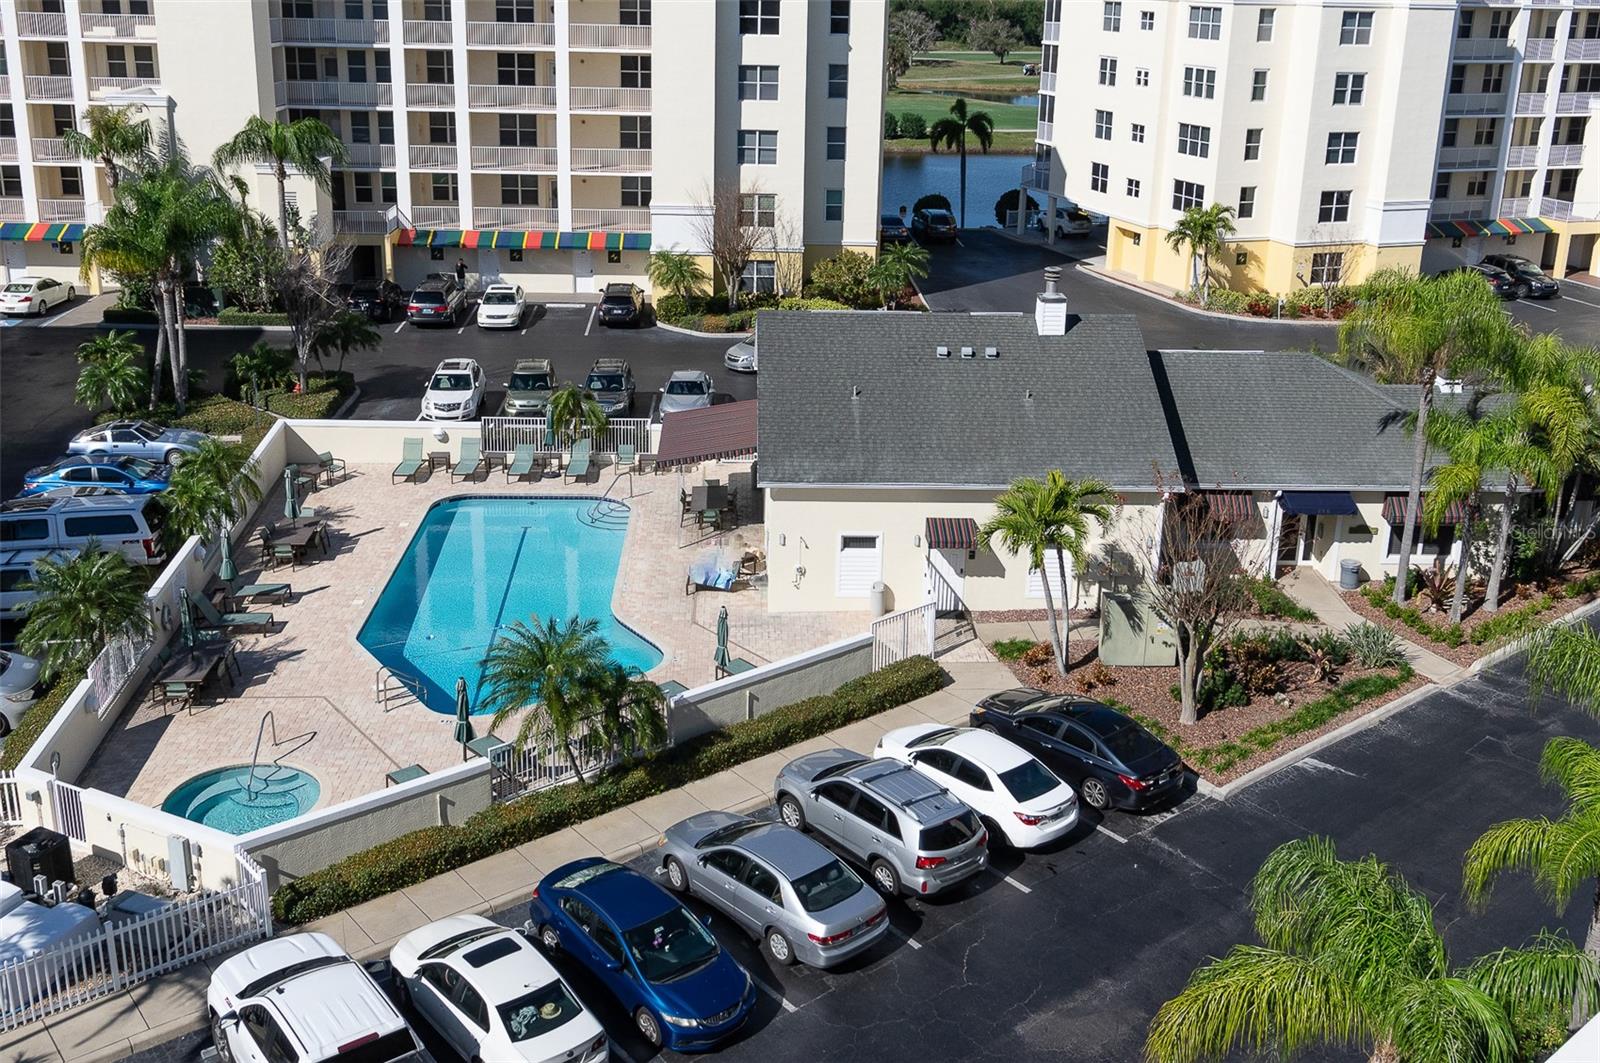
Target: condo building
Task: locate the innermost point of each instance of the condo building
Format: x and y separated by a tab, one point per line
549	143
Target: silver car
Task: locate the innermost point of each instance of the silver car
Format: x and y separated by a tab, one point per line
909	832
777	884
137	439
687	389
19	688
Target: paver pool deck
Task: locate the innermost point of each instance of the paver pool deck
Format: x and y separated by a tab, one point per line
318	681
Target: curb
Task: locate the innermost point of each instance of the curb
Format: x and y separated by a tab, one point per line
736	336
1246	319
139	327
348	404
1517	646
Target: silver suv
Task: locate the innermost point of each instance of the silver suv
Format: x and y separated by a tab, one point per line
904	828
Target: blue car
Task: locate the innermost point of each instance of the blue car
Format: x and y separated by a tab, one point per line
129	476
684	992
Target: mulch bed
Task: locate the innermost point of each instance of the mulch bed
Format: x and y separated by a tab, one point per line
1468	651
1012	616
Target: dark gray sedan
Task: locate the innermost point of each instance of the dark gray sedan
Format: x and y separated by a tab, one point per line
777	884
137	439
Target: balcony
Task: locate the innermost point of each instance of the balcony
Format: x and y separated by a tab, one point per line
610	160
61	209
428	216
1052	33
629	219
433	156
515	218
1035	176
512	97
1522	156
1447	209
1531	102
1514	208
1566	155
428	32
1576	102
1045	132
1469	157
1550	207
8	149
5	88
1581	49
328	31
99	86
98	26
35	87
1475	103
428	95
1539	48
1490	49
41	24
51	149
511	34
11	208
359	222
334	94
599	35
1047	81
594	98
517	160
370	155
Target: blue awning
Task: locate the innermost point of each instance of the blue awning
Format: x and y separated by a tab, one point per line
1320	503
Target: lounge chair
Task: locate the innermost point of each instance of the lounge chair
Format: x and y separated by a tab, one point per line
524	463
578	464
331	465
471	458
223	621
411	461
672	688
251	591
735	666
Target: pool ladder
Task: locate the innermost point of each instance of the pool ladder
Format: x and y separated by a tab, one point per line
608	512
388	684
250	790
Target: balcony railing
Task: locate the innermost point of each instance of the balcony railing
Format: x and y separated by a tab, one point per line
1531	102
1052	33
1482	48
1516	207
380	155
1566	155
357	222
5	88
1047	81
595	98
51	149
8	149
99	85
329	31
428	32
610	160
1046	131
1576	102
61	209
334	94
1468	157
433	156
1446	209
1582	49
514	218
1539	48
1475	103
435	217
36	87
631	219
430	95
41	24
1521	156
1550	207
518	159
512	34
599	35
11	208
513	97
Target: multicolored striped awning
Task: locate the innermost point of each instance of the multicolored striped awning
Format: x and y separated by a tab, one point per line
36	232
951	533
533	240
1394	508
1487	227
1232	506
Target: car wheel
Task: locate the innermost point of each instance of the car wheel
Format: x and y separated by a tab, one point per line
402	992
793	816
1522	291
5	725
991	728
997	837
1095	794
549	939
885	877
677	877
72	293
220	1039
175	457
778	948
648	1027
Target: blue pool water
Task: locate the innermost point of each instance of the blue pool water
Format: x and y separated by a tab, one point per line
221	798
476	565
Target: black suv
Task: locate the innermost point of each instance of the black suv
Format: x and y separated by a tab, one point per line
622	304
1531	281
932	225
439	301
611	381
376	300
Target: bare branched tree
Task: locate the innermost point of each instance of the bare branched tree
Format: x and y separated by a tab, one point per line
720	228
788	253
307	287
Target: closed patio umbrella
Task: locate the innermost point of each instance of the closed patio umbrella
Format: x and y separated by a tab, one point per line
722	640
185	617
227	572
291	504
463	733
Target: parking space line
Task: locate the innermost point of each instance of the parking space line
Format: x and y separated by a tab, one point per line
590	325
775	995
1536	306
400	326
1580	302
1013	882
1110	833
525	329
460	330
907	938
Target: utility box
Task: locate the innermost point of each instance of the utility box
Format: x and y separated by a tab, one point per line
39	852
1132	634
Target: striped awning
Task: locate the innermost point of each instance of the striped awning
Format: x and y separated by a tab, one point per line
532	240
35	232
727	430
952	533
1234	506
1487	227
1394	509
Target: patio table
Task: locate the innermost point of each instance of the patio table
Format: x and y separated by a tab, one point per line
194	665
438	459
708	496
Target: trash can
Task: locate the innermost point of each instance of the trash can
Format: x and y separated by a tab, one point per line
878	599
1349	575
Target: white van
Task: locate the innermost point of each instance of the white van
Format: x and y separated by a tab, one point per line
17	569
125	524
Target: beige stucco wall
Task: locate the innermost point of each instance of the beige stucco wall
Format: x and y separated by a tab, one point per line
756	693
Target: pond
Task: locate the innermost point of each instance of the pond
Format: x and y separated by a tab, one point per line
1002	97
906	178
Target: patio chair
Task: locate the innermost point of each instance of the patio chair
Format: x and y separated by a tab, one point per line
223	621
330	465
578	464
305	480
411	460
672	688
264	544
524	463
168	693
471	458
282	552
627	458
735	666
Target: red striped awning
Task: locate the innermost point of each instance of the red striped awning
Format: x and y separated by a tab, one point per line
952	533
689	437
1235	506
1394	510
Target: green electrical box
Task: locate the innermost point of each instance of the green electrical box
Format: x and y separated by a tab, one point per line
1132	634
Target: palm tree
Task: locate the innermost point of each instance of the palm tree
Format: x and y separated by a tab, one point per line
112	373
574	412
1532	454
678	272
897	266
952	133
553	669
1563	854
1469	440
1350	953
345	333
83	604
1204	231
306	145
213	488
113	138
1034	516
1565	658
1411	330
629	711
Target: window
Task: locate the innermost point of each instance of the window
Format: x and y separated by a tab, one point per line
1099	177
758	82
380	9
116	61
1147	20
1194	140
860	559
1111	17
1186	194
8	121
838	80
836	141
1047	108
1327	267
1200	82
267	1035
515	11
441	127
1348	89
1258	86
633	131
634	71
833	205
633	13
1441	185
1205	23
1500	24
1464	21
1102	125
1108	70
839	16
519	68
762	883
758	17
1478	185
1583	77
1335	206
386	189
355	65
300	64
758	210
380	66
1494	78
762	278
758	147
62	118
445	189
875	814
144	61
363	186
1141	77
1452	129
1341	149
1137	131
1051	56
440	70
519	189
1247	201
1252	145
385	127
56	62
99	527
1264	20
1355	27
1458	78
71	182
636	191
1133	188
519	131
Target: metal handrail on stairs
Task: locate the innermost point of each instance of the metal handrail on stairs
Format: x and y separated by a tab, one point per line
250	790
387	682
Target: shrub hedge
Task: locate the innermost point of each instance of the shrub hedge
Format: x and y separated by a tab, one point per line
128	315
37	718
1272	601
420	855
234	316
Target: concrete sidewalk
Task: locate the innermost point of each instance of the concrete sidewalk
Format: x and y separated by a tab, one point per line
1318	595
159	1010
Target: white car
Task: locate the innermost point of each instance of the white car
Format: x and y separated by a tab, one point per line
1019	799
302	997
500	307
455	391
687	389
741	357
19	687
1071	220
34	295
492	995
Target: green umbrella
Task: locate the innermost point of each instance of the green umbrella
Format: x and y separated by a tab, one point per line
227	573
722	640
291	504
463	717
185	618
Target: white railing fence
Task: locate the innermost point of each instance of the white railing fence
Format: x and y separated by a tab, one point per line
10	800
66	806
505	434
112	668
545	761
907	633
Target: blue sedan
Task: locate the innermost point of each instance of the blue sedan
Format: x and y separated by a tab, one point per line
684	992
129	476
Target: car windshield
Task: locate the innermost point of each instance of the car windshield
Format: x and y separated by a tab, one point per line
530	381
1528	269
1028	780
949	834
499	298
826	886
19	288
1131	743
5	661
534	1014
938	217
451	382
604	382
686	387
670	946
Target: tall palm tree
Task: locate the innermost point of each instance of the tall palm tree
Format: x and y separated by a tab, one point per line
214	487
629	711
678	272
1411	330
952	132
1034	517
1565	658
306	144
1563	854
345	333
574	412
1469	440
112	374
1204	231
112	137
552	669
1532	453
83	604
897	266
1350	953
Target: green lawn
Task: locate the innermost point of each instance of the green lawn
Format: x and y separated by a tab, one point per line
1026	55
933	107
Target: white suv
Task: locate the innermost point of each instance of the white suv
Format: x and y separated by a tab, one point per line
455	391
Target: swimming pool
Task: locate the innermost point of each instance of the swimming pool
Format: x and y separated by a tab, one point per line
228	800
476	565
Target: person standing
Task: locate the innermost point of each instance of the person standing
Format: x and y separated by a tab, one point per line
461	272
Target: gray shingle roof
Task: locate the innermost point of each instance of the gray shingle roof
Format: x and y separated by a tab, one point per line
919	419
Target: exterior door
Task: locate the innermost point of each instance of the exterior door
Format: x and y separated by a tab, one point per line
16	258
1288	554
488	266
583	271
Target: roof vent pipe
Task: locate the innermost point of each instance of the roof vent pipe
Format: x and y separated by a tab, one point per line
1052	277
